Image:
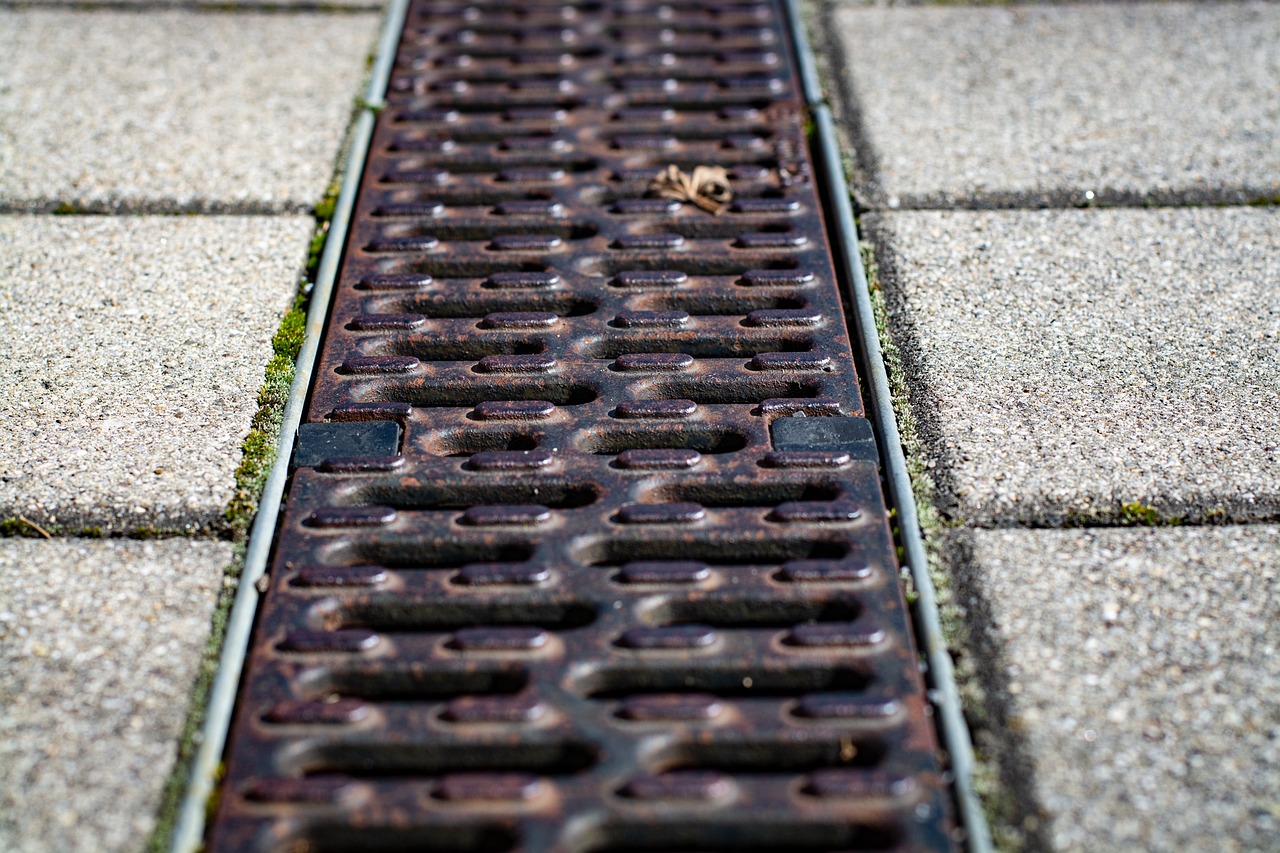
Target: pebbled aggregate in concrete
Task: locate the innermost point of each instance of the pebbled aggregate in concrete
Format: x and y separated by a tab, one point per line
158	111
99	643
1058	105
1063	364
131	352
217	5
1140	671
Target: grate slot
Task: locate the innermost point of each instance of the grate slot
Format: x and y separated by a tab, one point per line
715	551
373	761
729	494
437	837
739	756
694	345
477	305
725	612
406	682
401	612
725	682
753	835
614	442
459	495
556	391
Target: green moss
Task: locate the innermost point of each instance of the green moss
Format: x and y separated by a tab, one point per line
328	202
258	456
17	527
150	531
1138	514
316	250
258	452
22	527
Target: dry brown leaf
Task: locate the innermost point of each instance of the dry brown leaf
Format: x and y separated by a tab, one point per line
708	187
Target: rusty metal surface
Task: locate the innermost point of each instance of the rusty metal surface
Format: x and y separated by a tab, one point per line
589	606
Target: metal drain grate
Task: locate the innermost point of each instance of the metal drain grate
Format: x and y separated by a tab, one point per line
599	600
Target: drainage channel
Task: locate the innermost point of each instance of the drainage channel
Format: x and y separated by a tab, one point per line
585	548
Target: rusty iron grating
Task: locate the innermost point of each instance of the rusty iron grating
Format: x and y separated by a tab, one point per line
588	605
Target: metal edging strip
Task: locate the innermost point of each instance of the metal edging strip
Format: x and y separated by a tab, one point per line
188	833
844	232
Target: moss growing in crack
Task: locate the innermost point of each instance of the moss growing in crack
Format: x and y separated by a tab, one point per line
328	203
19	526
1138	514
259	447
258	456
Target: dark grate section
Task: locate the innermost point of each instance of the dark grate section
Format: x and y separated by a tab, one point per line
592	604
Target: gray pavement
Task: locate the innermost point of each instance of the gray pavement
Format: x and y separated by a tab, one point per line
132	349
1140	669
99	642
1101	367
131	353
1062	104
1064	364
212	5
166	111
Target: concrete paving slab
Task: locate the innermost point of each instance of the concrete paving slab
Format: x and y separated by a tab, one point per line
217	5
131	353
1140	671
109	110
1053	105
99	643
1064	364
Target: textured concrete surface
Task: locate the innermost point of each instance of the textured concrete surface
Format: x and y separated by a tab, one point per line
1140	669
159	111
1066	363
1043	105
99	642
218	5
131	352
